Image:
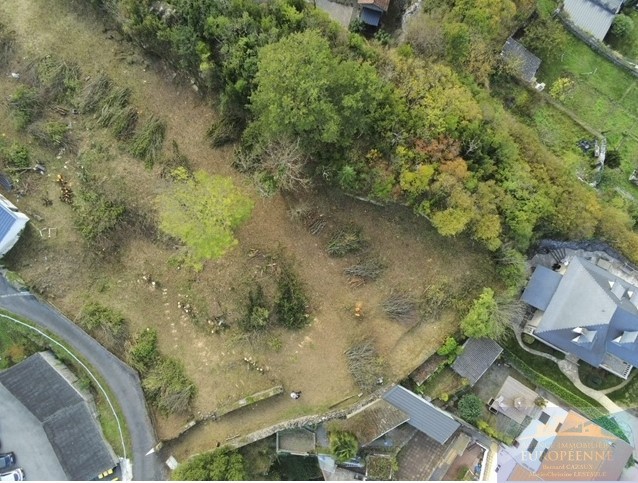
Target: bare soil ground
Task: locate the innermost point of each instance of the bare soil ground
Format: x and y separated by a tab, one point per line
311	360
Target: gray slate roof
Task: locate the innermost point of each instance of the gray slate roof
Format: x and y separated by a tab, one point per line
425	417
66	419
541	287
593	16
477	357
526	63
590	297
374	421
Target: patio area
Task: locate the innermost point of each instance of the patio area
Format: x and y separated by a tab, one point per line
465	466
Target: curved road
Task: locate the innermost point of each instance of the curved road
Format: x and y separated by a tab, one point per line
121	379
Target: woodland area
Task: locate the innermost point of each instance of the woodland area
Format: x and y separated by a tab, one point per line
413	124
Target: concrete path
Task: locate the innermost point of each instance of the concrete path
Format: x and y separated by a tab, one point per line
123	381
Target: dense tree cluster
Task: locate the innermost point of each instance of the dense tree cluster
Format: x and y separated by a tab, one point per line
223	464
412	125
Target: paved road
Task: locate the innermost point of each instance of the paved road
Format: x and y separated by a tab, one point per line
121	379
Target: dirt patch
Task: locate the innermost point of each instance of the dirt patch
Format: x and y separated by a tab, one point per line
311	360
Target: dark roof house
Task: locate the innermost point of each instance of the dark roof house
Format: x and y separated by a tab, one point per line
373	421
373	10
12	222
588	312
424	416
593	16
41	388
477	357
524	63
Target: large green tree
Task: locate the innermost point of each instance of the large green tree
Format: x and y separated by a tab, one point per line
470	408
490	317
223	464
307	92
203	212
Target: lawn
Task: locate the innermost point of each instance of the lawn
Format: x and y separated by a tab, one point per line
627	395
597	378
603	96
539	346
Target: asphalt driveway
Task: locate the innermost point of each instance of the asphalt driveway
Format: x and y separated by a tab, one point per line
121	379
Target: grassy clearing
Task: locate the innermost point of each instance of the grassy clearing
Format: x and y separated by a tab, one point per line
604	96
312	359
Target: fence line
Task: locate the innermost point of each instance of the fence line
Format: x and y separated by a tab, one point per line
600	47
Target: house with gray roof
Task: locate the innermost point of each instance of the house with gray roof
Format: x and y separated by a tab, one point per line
12	223
53	420
424	416
586	311
523	62
592	16
476	358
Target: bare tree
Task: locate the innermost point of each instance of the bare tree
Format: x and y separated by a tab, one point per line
284	162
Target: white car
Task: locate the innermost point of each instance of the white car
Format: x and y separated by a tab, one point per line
14	475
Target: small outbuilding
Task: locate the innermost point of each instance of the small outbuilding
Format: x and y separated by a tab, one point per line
373	10
477	357
523	62
593	16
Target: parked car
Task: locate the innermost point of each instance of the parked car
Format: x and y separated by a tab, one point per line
14	475
7	460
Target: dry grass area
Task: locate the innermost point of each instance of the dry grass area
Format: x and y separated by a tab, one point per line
311	360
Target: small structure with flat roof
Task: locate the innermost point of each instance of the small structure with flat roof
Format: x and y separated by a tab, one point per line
423	415
477	357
